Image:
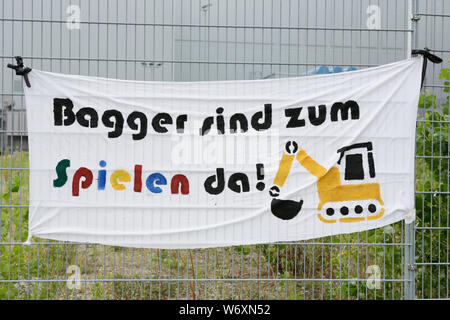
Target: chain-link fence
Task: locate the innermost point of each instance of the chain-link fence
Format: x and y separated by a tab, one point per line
431	23
185	40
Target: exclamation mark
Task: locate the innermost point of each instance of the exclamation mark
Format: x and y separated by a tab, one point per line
260	176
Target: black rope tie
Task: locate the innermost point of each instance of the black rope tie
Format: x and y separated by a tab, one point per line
21	70
426	56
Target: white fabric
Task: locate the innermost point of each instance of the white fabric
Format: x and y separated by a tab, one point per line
387	98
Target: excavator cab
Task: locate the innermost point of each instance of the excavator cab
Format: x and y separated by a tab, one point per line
357	161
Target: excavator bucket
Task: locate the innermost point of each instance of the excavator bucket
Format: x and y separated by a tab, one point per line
286	209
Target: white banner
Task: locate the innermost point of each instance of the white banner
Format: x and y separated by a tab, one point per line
218	163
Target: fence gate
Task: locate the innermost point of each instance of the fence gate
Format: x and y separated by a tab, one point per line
184	40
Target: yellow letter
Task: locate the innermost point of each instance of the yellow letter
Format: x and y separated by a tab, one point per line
119	175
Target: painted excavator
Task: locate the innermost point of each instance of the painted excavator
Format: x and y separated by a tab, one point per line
348	202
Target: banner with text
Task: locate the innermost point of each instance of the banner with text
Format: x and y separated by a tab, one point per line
217	163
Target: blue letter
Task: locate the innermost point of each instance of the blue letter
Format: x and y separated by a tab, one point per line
155	178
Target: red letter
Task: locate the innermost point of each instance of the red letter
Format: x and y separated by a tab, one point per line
137	178
87	175
178	180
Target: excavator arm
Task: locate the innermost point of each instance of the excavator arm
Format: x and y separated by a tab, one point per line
304	159
288	209
310	164
284	209
284	169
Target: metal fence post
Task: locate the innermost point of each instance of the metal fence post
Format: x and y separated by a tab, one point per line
409	264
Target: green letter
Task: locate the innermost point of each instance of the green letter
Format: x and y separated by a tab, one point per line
61	172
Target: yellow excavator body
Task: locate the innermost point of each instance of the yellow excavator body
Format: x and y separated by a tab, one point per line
330	189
